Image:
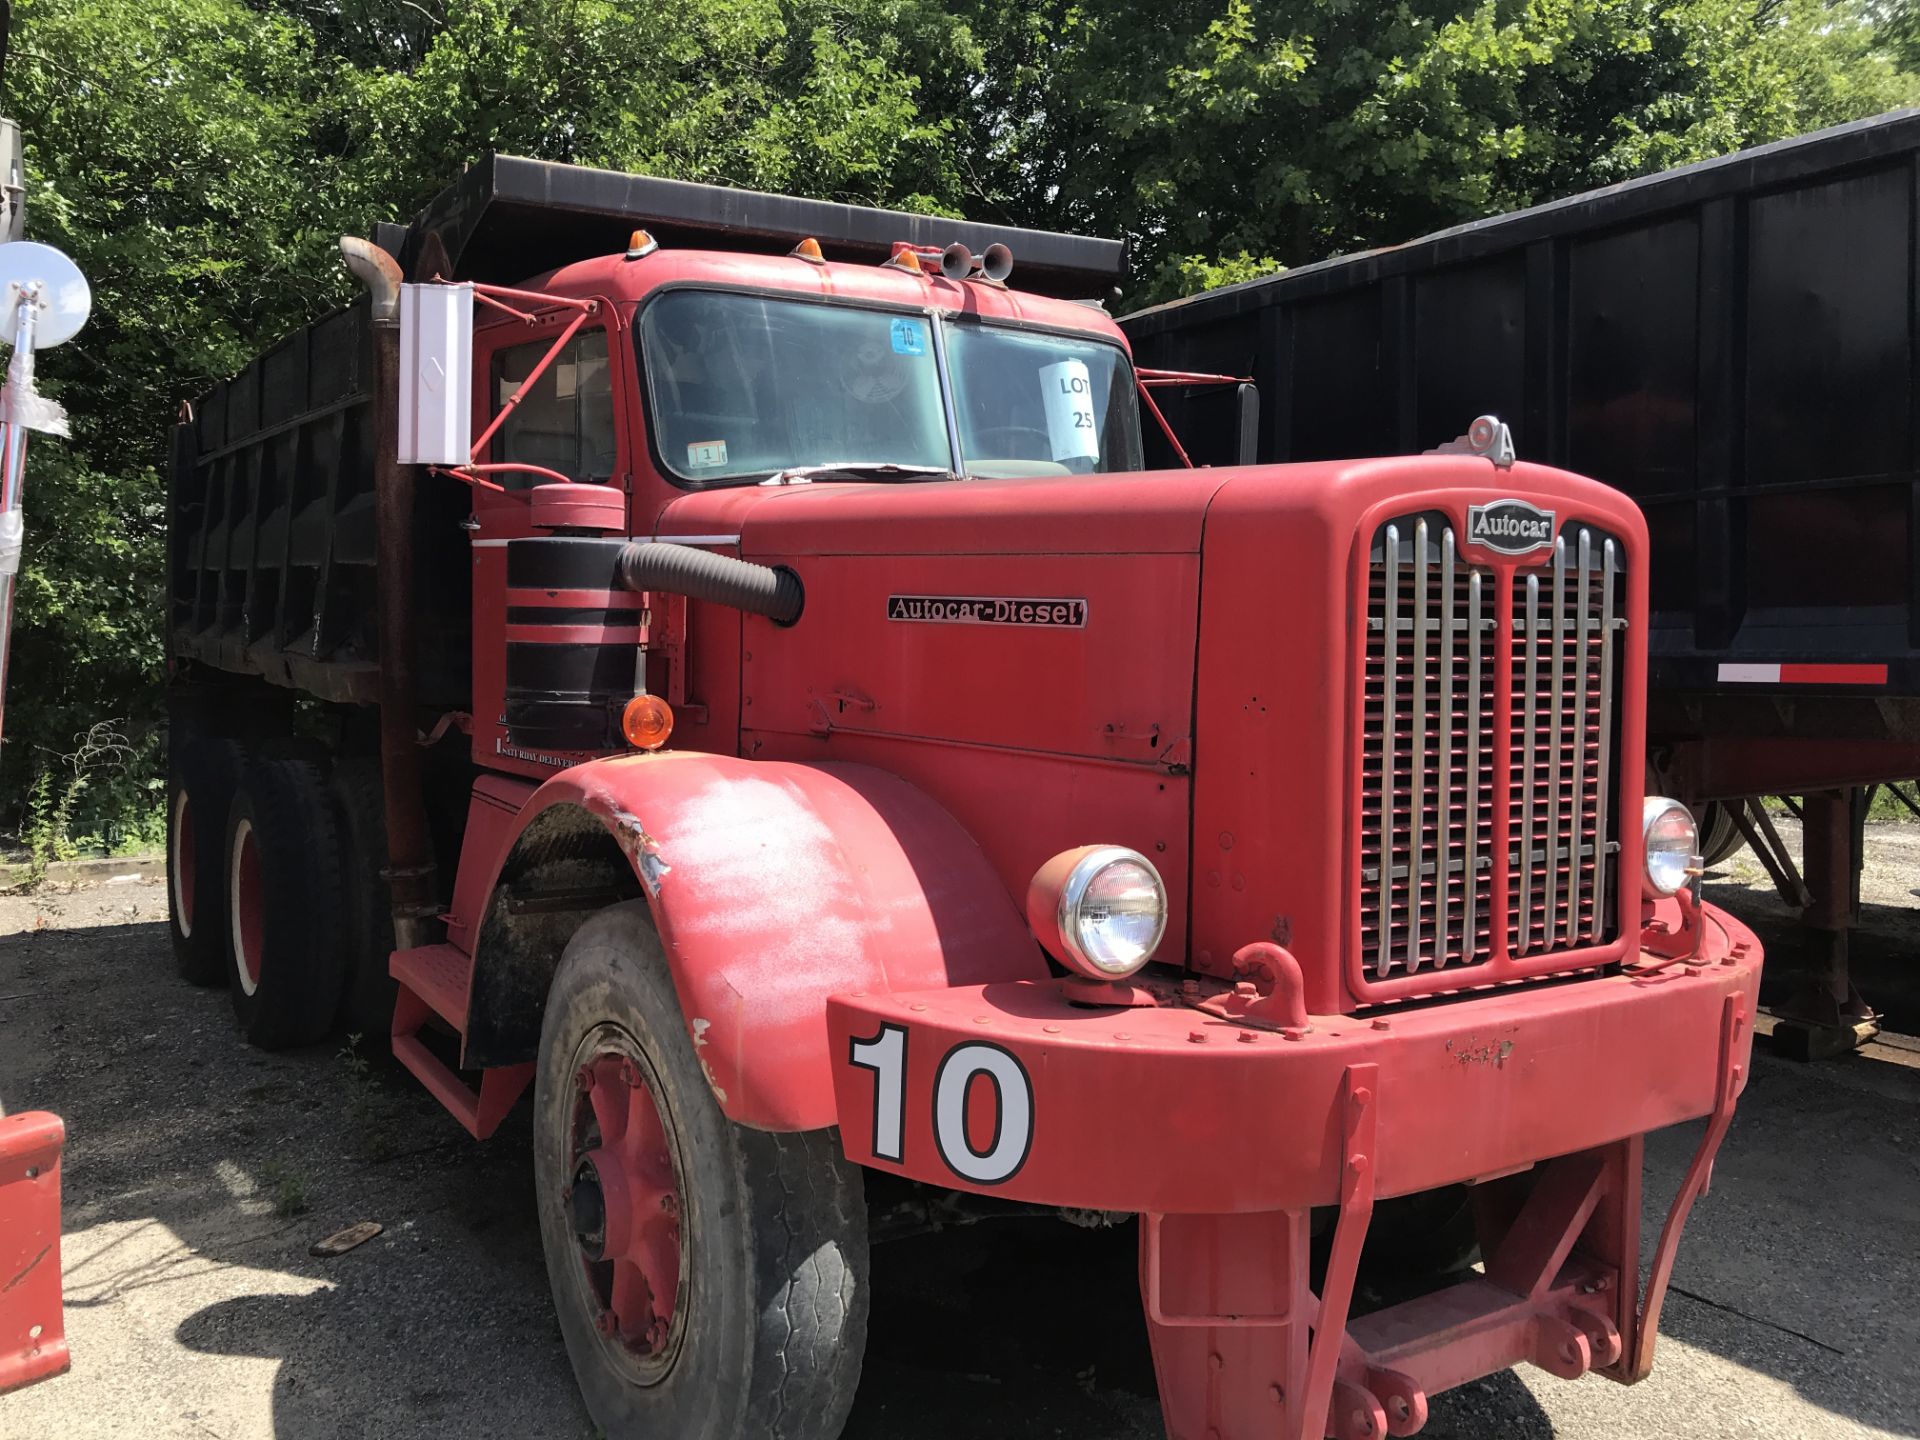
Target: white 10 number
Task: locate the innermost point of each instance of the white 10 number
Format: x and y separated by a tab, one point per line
885	1054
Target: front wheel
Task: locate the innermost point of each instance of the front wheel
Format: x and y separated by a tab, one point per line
710	1281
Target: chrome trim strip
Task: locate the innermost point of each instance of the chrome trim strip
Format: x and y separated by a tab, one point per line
1583	621
1473	763
1417	737
1526	760
1549	917
1389	660
1443	898
1601	795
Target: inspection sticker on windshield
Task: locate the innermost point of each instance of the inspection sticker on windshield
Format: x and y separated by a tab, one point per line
705	454
909	338
1068	394
988	610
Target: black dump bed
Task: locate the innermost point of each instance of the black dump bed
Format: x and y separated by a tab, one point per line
270	519
1732	344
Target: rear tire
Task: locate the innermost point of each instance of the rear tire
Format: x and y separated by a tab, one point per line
366	917
282	871
200	787
1720	838
760	1325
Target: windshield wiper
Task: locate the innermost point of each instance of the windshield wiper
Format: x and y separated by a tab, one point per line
857	470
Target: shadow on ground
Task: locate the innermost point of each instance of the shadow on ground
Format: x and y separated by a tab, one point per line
199	1171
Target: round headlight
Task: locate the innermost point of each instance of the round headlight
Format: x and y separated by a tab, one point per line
1100	910
1673	844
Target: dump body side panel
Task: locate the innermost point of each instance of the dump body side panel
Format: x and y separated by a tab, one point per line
271	528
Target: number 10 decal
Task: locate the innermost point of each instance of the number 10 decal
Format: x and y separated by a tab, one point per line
885	1054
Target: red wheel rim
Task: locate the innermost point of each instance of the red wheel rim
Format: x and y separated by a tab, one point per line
244	887
180	868
623	1202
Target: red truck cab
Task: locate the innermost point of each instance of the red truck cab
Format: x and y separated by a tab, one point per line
877	779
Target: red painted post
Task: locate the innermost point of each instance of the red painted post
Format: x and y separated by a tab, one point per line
33	1337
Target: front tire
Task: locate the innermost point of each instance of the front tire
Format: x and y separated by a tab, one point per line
710	1281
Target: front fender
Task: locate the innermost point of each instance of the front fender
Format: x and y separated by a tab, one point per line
775	885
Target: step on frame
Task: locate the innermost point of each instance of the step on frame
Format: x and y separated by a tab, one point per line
434	982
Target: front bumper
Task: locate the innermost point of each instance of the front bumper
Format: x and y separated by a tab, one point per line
1171	1110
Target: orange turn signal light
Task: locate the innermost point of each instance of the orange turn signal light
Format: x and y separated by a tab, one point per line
809	250
647	722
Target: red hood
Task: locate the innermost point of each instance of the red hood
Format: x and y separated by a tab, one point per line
1195	703
1156	512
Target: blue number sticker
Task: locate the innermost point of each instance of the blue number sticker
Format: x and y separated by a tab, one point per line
908	339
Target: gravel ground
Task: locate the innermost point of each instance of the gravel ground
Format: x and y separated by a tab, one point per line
199	1171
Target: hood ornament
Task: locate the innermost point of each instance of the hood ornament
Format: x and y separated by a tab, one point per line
1488	436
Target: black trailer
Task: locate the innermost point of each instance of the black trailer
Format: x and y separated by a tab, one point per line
1734	344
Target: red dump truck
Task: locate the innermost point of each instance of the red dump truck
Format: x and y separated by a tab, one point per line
715	662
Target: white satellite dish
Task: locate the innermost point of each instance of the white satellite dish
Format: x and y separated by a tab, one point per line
64	298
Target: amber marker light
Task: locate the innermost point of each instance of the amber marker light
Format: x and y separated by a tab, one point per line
647	722
641	245
903	258
808	250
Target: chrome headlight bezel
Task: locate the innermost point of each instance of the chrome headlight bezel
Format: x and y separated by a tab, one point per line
1656	810
1056	908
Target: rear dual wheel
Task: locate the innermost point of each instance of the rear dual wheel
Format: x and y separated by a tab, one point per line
200	785
710	1280
285	968
366	915
1720	837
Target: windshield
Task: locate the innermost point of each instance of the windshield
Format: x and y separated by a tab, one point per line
746	386
1041	404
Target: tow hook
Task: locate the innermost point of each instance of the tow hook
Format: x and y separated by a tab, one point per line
1269	992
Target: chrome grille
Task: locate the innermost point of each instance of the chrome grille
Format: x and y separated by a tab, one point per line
1427	754
1430	782
1563	700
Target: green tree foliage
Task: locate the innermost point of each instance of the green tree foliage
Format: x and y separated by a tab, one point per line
167	153
807	96
198	158
1208	129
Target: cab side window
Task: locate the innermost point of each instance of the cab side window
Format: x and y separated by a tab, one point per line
565	422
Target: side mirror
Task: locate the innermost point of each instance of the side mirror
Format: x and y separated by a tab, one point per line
436	374
1247	426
